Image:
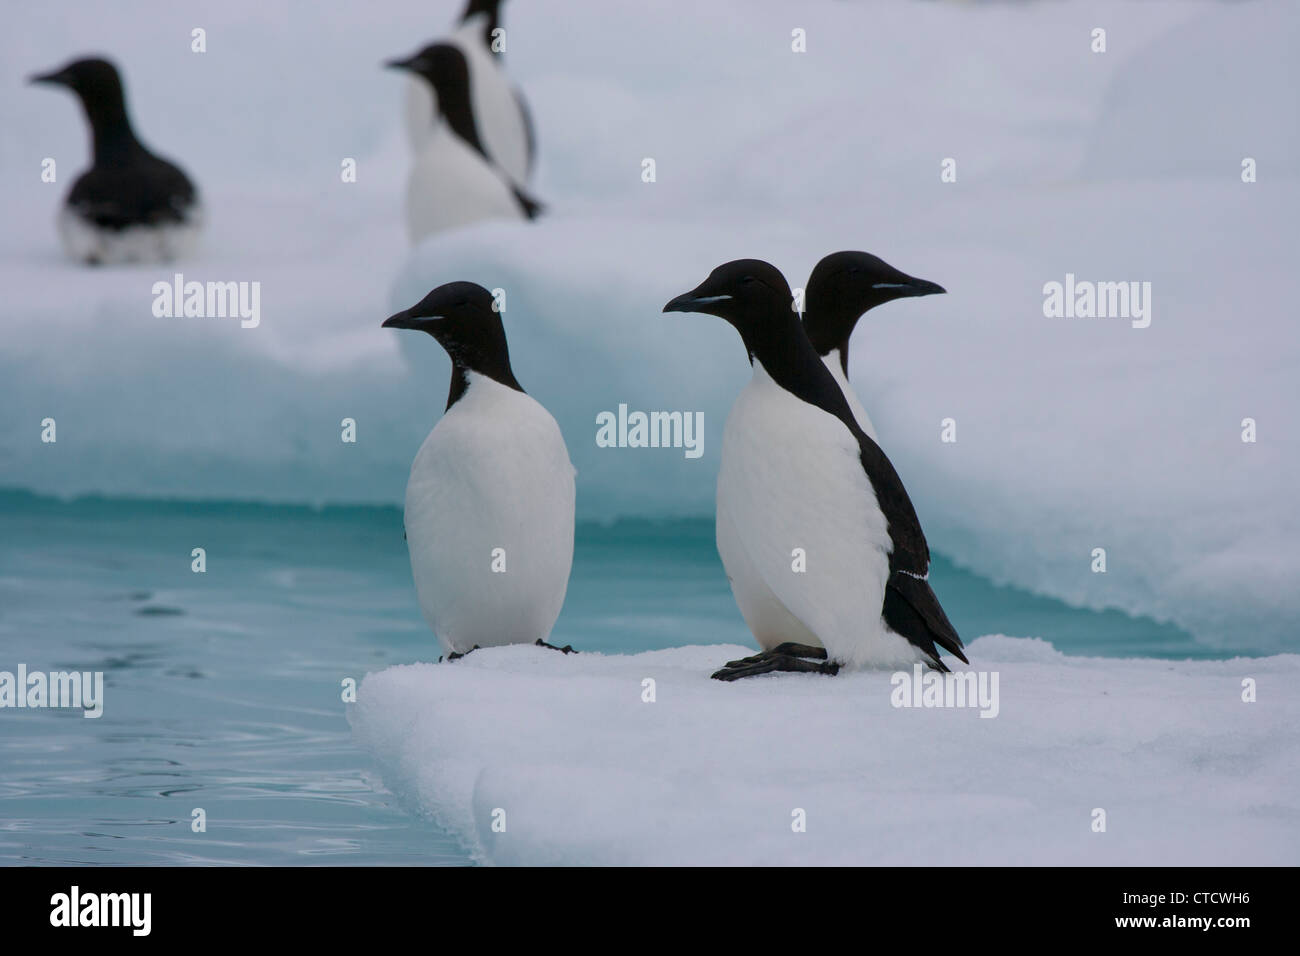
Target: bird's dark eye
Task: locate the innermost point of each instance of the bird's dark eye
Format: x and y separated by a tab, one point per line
747	279
462	303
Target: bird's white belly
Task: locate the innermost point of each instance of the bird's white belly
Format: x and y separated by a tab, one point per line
451	186
800	532
83	241
418	110
832	361
768	619
491	487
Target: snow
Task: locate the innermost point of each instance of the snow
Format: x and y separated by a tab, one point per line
1072	434
711	773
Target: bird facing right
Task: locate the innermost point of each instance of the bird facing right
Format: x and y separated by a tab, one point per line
820	542
843	287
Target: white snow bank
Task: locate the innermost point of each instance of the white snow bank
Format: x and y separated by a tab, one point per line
711	773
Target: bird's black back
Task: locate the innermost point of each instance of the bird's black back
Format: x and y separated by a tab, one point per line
147	190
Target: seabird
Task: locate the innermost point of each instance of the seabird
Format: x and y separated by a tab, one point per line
504	122
130	206
819	539
489	504
453	180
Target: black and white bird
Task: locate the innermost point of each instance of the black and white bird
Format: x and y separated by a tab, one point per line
130	206
821	544
454	180
489	504
843	287
504	122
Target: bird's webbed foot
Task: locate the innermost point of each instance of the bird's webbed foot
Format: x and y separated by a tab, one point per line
566	649
797	658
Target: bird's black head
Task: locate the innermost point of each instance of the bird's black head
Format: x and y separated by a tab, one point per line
443	67
460	315
490	7
843	287
88	77
754	297
97	84
741	291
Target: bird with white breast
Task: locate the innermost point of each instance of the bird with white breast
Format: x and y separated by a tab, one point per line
490	500
821	544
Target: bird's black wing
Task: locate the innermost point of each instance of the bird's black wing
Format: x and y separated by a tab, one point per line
530	133
527	204
151	192
911	608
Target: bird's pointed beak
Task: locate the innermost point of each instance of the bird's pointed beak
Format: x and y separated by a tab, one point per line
399	320
57	78
912	287
694	301
682	303
926	287
398	63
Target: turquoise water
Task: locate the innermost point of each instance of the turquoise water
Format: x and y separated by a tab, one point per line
222	689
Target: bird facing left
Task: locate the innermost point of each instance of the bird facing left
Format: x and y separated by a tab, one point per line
131	205
490	500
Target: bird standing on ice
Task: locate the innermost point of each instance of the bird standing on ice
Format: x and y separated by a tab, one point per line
824	552
130	206
843	287
489	504
505	124
454	181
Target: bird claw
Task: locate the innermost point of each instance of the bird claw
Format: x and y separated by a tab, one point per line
566	649
779	659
